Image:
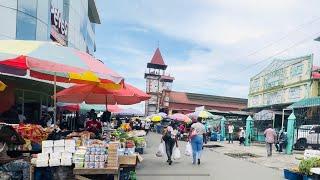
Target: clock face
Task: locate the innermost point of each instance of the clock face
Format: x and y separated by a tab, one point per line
153	85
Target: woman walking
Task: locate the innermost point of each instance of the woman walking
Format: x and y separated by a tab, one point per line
170	139
196	137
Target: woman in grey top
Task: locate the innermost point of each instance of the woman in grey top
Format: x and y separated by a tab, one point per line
196	137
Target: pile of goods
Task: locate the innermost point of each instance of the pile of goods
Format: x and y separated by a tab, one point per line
55	153
125	127
94	156
134	137
309	166
32	132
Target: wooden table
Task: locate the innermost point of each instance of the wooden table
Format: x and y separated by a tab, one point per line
81	172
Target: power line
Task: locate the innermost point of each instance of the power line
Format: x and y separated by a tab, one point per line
284	37
276	54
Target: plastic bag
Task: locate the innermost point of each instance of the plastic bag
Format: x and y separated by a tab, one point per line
188	151
176	153
161	150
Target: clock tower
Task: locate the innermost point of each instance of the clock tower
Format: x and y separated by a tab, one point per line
158	85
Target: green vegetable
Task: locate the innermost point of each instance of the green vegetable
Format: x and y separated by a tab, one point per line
306	164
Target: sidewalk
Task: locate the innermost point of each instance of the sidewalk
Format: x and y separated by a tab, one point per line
277	161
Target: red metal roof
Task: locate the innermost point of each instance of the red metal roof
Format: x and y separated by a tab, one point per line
157	58
182	100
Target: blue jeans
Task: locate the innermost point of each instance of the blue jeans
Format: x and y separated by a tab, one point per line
196	143
17	168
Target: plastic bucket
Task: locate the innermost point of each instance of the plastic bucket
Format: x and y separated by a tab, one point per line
292	175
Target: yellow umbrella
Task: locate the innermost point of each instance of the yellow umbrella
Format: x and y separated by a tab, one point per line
156	118
3	86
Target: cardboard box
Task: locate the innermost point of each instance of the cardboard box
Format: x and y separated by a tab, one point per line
70	143
47	143
55	155
66	155
58	143
47	150
43	156
58	149
70	149
128	160
41	163
54	162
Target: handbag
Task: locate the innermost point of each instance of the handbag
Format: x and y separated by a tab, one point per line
193	133
167	136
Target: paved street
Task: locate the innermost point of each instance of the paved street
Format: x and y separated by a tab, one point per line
214	166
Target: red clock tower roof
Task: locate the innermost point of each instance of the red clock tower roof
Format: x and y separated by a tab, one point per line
157	58
157	61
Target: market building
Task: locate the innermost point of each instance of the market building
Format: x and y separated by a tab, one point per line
68	22
185	102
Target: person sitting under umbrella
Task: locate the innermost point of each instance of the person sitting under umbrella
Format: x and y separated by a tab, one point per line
93	125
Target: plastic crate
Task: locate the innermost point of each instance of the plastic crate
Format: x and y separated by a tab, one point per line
139	150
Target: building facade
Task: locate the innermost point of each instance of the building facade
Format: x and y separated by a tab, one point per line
158	84
283	82
68	22
184	102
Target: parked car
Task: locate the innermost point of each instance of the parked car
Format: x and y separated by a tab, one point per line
307	135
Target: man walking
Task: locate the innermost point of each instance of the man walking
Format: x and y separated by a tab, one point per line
270	137
230	132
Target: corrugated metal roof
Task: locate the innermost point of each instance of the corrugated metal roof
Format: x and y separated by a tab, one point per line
308	102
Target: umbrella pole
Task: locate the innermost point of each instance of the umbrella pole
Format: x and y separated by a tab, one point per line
106	102
55	99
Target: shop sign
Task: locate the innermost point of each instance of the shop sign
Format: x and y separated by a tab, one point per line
59	27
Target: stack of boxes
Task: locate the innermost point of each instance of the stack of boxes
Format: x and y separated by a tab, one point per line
113	160
56	153
95	157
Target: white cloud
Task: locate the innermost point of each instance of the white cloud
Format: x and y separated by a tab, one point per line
231	29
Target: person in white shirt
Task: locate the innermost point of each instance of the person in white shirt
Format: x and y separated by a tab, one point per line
242	135
196	138
230	132
147	127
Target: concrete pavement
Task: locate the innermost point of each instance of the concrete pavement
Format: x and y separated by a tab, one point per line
214	166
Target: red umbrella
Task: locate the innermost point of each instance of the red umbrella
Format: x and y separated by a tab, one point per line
114	108
94	94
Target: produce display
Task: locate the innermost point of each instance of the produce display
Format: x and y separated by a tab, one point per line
128	139
32	132
125	127
306	165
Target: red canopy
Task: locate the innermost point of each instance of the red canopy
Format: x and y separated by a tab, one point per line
93	94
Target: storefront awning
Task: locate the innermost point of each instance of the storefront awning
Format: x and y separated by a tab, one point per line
308	102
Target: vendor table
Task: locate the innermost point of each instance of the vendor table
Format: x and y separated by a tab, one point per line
81	172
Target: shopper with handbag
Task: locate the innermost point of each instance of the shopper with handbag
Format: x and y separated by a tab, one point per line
196	137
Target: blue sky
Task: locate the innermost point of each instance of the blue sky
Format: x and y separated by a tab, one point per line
207	44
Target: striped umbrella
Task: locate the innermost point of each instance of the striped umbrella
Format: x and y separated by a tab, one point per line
202	114
180	117
49	61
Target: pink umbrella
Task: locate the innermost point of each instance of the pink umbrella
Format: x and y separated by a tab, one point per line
93	94
180	117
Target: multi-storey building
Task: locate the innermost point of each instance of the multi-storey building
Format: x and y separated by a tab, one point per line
283	82
68	22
